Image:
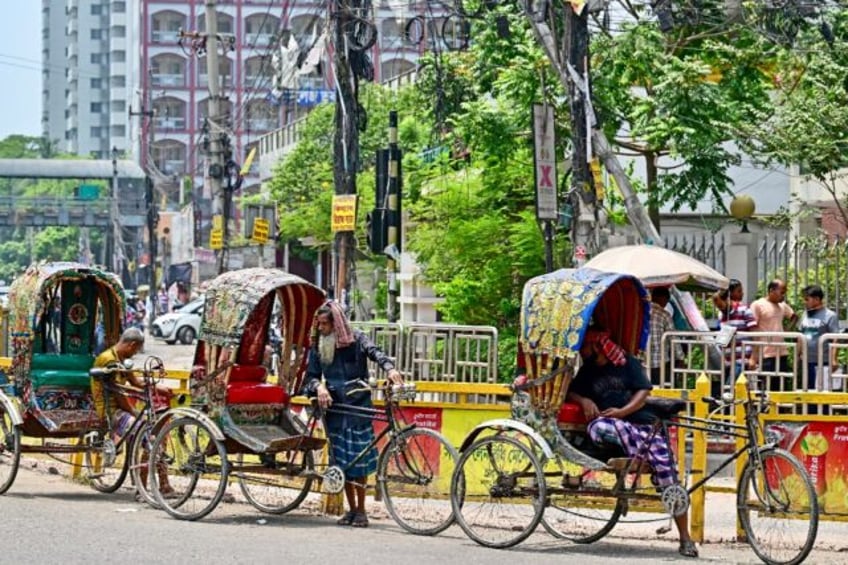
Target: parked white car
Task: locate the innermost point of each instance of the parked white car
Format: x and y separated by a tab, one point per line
182	325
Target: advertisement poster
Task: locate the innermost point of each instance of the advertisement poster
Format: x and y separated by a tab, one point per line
822	447
429	418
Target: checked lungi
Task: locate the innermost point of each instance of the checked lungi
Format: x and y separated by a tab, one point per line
632	438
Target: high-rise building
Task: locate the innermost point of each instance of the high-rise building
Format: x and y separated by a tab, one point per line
90	54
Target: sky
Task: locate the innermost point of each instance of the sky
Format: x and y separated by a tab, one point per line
20	67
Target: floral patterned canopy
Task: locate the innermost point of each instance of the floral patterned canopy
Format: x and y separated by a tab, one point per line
233	296
558	307
31	293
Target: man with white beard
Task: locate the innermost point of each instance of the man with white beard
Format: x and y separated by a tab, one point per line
338	357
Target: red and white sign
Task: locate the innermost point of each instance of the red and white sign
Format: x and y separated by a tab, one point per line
545	162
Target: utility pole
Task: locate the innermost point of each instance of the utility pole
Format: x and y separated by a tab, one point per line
146	114
346	138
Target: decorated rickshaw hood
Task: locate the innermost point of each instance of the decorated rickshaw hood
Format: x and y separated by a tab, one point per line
27	294
557	309
232	296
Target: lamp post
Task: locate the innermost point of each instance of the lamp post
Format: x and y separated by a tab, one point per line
742	208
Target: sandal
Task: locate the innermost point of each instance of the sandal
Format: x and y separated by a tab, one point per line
347	519
688	549
360	520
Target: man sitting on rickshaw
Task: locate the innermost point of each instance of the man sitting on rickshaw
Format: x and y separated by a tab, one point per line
122	408
611	387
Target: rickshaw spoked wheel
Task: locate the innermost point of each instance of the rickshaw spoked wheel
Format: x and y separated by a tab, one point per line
105	463
498	490
10	449
140	463
413	475
283	483
581	517
188	469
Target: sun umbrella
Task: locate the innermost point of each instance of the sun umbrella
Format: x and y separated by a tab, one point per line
658	266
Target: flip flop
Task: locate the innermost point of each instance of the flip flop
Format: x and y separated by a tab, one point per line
347	519
688	549
360	520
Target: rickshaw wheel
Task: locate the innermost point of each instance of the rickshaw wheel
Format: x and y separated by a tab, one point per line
139	464
777	507
282	485
413	475
105	463
498	491
10	450
188	469
581	517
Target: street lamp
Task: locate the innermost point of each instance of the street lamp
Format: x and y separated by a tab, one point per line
742	208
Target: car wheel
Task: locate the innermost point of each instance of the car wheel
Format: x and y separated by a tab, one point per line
186	335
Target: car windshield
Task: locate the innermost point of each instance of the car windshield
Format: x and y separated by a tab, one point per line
191	306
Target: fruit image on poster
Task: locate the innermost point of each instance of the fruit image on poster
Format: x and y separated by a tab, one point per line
822	447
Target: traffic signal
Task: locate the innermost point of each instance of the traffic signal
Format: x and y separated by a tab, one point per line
376	230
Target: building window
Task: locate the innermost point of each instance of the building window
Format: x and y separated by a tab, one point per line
95	58
119	7
119	56
118	81
96	107
96	34
96	83
119	131
95	9
95	131
119	106
119	31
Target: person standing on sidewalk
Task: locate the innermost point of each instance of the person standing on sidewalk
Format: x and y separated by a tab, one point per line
661	322
735	313
771	312
816	321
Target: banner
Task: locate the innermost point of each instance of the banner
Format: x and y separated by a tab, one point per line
822	447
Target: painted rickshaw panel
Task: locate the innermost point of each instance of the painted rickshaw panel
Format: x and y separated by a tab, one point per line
233	335
84	292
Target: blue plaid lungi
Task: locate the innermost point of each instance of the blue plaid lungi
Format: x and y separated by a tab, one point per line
347	443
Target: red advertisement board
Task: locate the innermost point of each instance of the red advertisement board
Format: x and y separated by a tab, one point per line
430	418
822	447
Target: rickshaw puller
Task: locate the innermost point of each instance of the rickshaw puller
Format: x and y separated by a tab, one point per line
338	355
612	388
123	408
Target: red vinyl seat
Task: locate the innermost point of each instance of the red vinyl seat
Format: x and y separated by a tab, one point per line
571	413
247	385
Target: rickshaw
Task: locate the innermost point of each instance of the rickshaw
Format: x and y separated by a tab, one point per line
244	425
540	466
61	315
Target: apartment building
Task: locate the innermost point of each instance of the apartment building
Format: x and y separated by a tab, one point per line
90	57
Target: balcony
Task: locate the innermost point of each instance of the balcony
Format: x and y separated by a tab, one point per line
169	123
160	36
172	167
203	80
259	39
262	124
162	79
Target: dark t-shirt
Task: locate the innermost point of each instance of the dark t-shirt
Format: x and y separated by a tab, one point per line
609	386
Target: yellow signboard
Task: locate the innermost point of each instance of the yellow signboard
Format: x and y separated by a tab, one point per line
344	212
216	239
261	229
245	169
218	222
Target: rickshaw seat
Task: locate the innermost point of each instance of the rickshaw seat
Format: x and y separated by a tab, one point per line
256	393
247	385
61	371
570	416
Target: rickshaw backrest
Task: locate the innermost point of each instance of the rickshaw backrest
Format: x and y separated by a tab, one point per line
558	308
47	369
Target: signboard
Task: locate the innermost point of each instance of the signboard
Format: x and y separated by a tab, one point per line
216	238
545	162
822	447
261	229
218	222
344	213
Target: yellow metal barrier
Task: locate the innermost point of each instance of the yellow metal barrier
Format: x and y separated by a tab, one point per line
699	461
